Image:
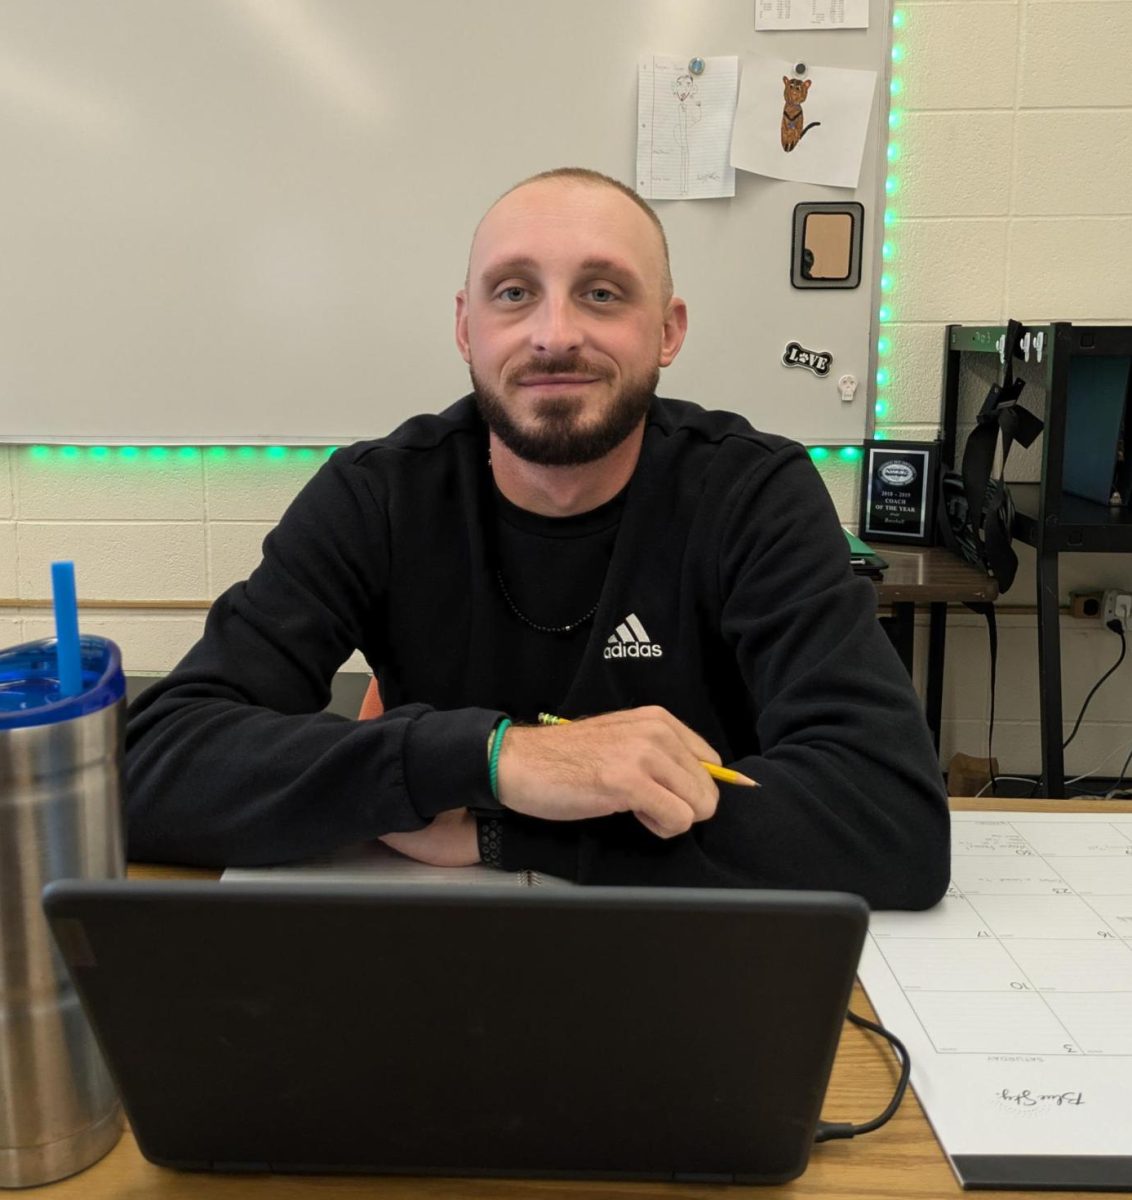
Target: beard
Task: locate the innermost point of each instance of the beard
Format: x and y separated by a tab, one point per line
556	439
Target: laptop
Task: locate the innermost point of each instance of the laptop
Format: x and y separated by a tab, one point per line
679	1034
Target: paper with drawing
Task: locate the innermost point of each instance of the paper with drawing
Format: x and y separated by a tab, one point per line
809	128
684	127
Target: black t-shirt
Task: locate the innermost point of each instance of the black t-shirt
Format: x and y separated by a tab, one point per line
553	570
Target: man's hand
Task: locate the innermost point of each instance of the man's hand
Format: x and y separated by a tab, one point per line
449	841
641	760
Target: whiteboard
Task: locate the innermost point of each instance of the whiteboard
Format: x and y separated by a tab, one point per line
244	221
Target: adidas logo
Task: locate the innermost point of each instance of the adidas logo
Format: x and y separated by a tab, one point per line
631	641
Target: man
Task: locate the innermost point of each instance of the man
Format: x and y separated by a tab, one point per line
560	541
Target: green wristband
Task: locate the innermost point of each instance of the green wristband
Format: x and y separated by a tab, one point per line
493	756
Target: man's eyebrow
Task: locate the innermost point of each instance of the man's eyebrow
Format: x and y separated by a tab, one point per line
524	264
609	266
519	265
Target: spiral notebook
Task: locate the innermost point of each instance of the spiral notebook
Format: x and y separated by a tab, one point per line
374	862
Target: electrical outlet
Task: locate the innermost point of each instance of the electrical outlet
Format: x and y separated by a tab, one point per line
1086	604
1118	606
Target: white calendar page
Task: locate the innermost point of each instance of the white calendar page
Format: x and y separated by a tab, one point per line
1014	997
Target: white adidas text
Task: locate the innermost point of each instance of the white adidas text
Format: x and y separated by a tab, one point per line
631	641
632	650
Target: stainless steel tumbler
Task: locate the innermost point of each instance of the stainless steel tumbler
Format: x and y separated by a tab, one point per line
60	817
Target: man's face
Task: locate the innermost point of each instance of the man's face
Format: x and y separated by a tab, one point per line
564	322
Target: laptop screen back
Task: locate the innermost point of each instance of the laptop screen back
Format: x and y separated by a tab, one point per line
578	1032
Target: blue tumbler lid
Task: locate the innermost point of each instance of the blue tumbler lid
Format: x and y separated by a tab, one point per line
29	682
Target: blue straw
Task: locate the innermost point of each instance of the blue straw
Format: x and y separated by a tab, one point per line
67	628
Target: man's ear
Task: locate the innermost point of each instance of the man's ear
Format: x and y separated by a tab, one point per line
462	325
675	327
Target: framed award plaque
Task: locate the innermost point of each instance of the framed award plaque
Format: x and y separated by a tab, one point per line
898	490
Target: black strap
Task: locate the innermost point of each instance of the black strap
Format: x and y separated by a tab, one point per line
989	508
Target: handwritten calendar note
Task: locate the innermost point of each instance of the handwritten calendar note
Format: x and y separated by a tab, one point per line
1014	996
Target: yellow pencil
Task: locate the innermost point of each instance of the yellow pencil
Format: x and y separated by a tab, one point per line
723	774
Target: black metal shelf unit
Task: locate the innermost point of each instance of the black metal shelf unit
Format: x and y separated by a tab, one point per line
1050	520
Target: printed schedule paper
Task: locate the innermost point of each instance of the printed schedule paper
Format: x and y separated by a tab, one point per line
1014	998
811	14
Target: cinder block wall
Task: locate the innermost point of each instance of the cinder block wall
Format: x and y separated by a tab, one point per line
1015	200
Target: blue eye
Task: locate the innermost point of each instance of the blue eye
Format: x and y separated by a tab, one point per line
513	294
602	295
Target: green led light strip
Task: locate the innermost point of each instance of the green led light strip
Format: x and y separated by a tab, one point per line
888	247
249	454
822	454
165	454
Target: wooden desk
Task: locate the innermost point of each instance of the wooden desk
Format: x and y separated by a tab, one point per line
935	577
900	1161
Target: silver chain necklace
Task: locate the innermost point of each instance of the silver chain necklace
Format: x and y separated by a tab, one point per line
534	624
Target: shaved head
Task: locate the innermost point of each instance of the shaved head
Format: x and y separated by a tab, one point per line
584	177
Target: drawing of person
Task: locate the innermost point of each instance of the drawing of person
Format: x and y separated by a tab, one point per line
687	115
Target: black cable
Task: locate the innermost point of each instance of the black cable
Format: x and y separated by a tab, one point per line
1117	627
987	611
1120	778
828	1131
